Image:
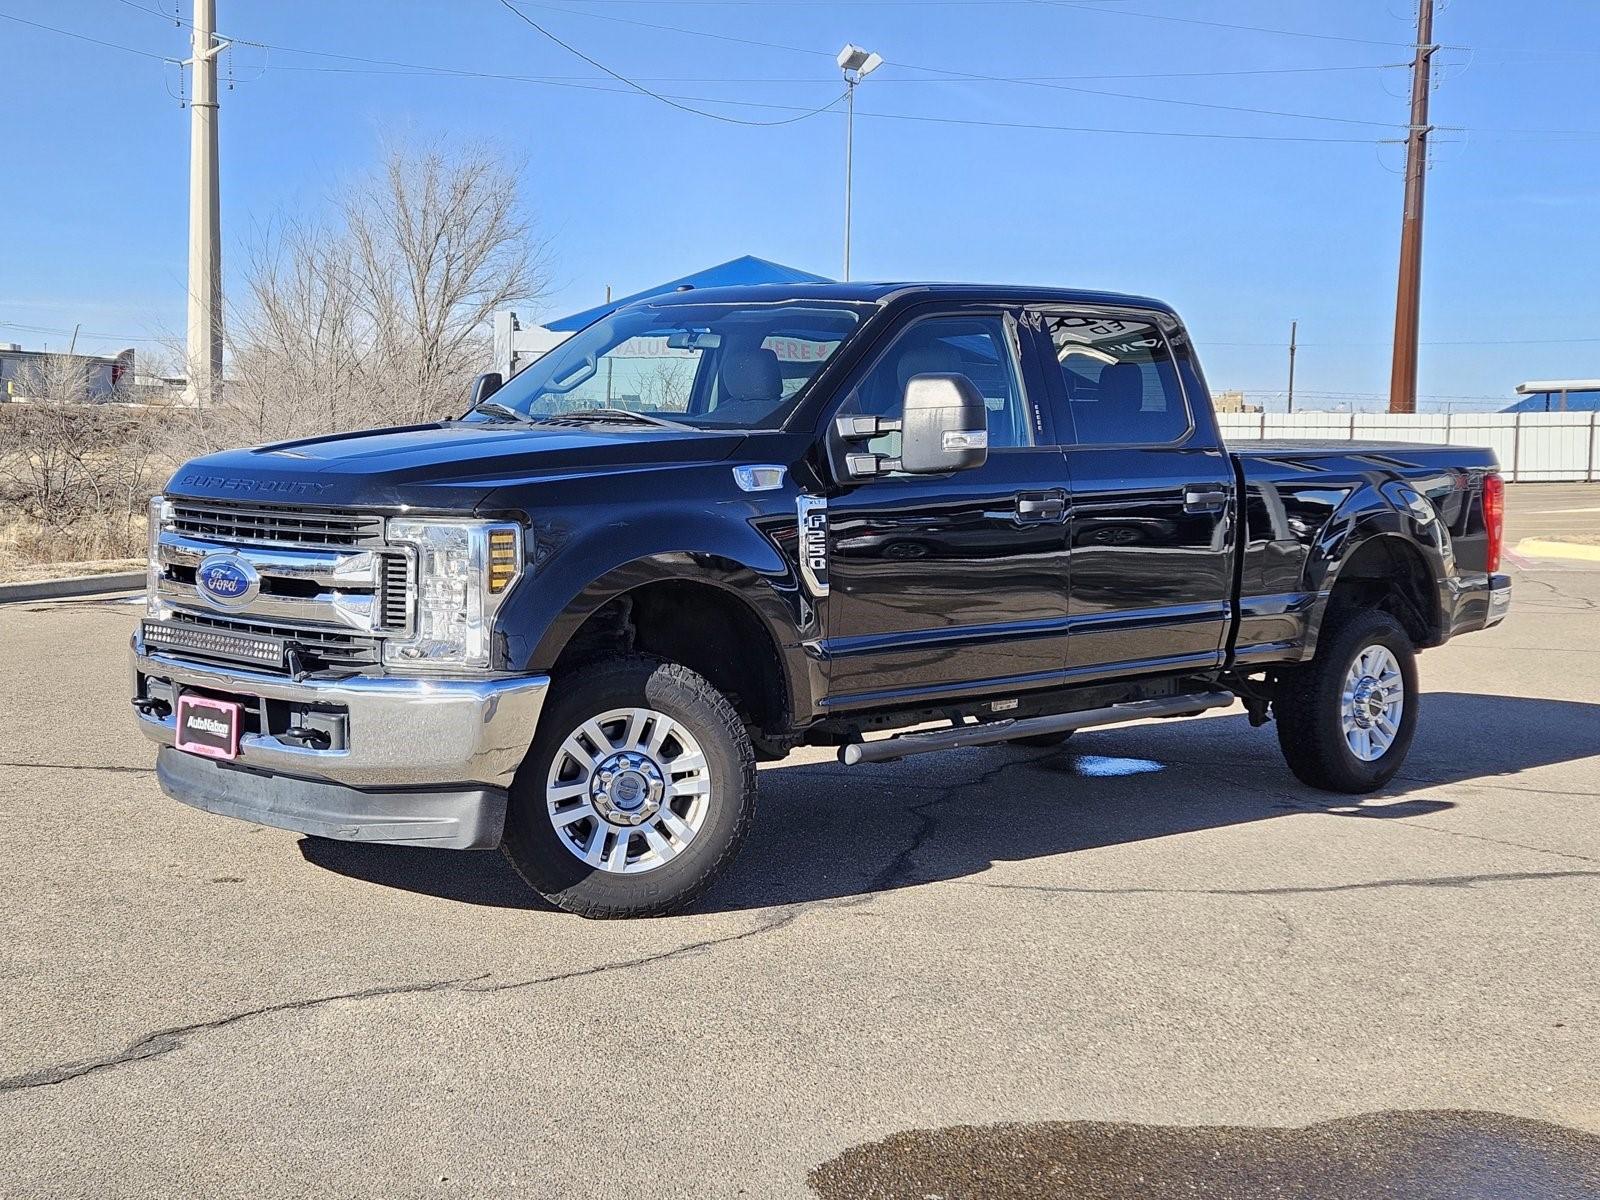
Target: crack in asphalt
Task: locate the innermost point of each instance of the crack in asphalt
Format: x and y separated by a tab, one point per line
897	872
165	1041
79	767
1439	881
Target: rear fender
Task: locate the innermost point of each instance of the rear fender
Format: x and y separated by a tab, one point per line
1391	509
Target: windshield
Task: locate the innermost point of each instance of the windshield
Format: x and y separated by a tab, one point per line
710	366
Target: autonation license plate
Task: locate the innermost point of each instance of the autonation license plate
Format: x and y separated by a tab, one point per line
209	727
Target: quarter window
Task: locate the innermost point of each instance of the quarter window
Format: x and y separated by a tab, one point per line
1119	380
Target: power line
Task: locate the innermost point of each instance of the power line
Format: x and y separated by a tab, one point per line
1295	33
82	333
654	95
400	66
974	76
83	37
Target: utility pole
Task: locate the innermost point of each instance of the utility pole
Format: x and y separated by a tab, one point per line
1403	377
1294	327
204	343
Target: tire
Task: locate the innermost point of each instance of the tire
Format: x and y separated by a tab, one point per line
701	779
1045	741
1310	706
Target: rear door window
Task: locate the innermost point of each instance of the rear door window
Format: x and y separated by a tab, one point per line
1120	384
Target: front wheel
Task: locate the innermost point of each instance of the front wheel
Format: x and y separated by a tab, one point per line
638	790
1346	719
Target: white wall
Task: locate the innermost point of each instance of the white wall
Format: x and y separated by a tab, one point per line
1532	447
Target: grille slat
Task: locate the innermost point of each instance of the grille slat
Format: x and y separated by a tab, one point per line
393	601
275	525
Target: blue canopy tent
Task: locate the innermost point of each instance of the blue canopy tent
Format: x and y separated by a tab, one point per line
733	273
515	346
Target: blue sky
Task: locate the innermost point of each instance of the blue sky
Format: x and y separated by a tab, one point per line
1243	232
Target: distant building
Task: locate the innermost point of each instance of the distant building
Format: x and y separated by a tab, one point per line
1557	395
515	346
1233	402
107	378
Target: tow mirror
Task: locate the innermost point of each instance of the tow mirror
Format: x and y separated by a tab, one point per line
943	427
482	388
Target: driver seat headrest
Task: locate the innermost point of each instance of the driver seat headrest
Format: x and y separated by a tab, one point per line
752	375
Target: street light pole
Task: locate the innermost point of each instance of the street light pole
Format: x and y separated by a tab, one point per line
856	64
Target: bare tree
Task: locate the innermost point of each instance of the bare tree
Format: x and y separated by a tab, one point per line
78	472
440	242
381	316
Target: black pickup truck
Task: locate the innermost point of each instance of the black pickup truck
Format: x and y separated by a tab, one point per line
720	524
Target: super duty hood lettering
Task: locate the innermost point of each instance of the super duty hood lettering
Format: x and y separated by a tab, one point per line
252	487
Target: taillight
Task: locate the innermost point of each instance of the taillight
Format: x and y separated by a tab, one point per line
1494	516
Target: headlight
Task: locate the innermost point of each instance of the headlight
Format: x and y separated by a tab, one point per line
463	571
160	517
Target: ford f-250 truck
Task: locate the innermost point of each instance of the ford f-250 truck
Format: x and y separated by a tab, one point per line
719	524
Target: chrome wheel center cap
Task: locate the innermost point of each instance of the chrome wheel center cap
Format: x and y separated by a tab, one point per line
627	788
1369	703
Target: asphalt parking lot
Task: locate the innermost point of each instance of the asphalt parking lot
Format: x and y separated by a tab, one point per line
1096	950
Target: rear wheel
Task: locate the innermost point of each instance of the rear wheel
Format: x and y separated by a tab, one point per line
1346	719
638	790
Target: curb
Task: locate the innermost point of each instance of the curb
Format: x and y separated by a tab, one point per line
1550	548
77	585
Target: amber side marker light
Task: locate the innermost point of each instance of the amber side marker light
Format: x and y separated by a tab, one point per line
502	560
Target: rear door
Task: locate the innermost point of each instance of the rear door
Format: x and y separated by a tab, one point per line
1151	492
949	584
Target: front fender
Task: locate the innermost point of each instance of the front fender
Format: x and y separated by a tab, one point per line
745	554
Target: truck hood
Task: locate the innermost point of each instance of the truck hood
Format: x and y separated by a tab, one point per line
448	466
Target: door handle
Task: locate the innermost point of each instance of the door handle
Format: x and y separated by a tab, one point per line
1042	506
1204	498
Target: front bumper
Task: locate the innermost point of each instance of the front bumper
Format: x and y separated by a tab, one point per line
422	760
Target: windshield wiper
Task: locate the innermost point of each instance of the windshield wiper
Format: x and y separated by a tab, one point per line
623	414
495	408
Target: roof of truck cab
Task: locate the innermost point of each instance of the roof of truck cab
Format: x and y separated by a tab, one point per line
882	293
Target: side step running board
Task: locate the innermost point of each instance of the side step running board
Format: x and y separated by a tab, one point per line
985	733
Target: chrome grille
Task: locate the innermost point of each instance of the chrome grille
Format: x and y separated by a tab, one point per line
328	584
275	525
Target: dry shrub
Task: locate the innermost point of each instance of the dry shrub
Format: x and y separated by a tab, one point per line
75	477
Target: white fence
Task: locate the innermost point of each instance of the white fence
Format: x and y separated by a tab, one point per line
1532	447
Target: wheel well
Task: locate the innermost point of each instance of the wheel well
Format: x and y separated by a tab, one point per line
707	629
1388	574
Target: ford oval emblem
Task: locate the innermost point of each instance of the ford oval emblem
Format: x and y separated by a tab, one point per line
226	581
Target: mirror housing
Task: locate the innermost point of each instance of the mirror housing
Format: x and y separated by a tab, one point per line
482	388
944	425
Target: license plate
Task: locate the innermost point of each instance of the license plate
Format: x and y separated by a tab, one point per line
209	727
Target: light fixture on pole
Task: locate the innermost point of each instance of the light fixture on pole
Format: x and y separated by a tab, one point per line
856	64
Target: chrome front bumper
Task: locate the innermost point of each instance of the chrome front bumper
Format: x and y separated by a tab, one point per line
411	744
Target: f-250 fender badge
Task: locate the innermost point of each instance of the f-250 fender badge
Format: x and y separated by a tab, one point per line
813	546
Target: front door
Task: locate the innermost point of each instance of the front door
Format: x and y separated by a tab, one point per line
1151	496
953	584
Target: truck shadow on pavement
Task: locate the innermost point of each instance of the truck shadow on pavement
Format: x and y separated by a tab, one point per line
1419	1155
824	831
